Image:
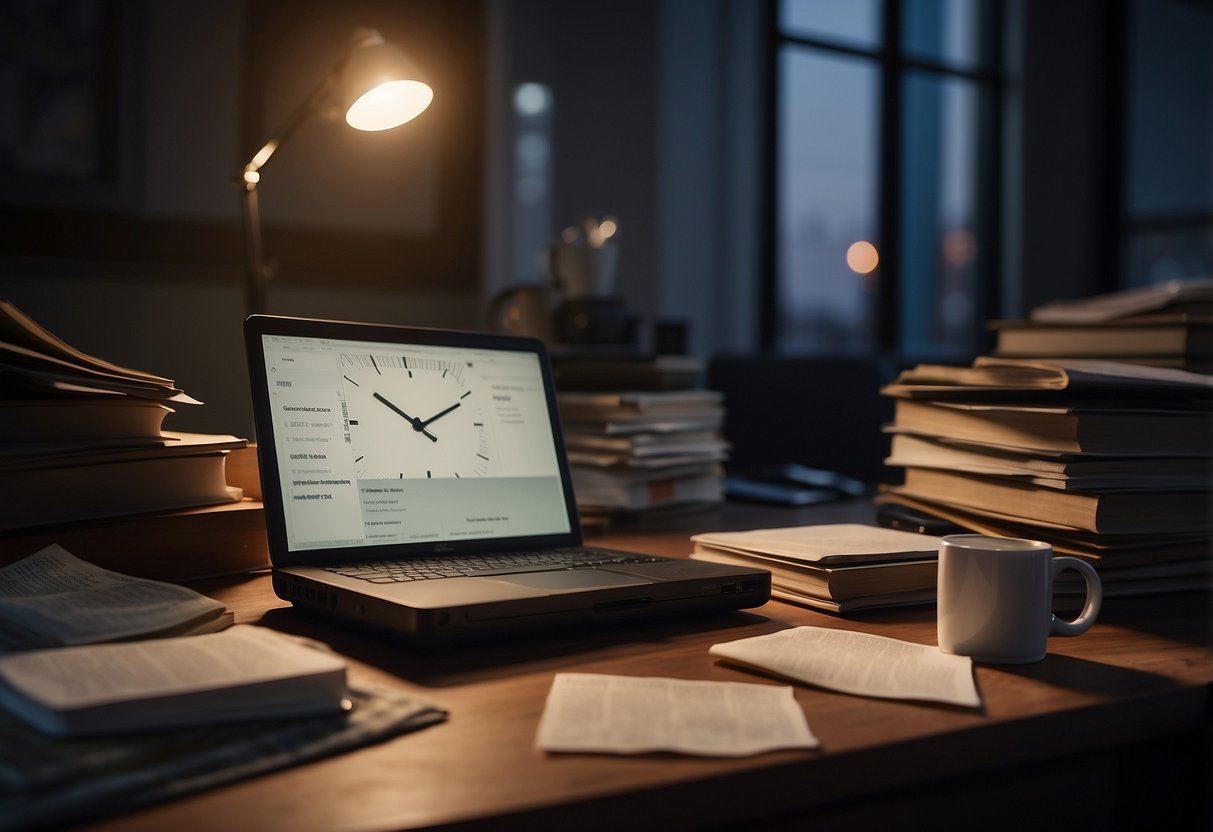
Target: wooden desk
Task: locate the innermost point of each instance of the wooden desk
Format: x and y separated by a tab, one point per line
1114	726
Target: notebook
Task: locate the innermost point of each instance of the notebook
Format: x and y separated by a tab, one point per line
415	480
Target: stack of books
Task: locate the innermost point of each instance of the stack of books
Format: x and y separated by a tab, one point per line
1167	325
1108	461
839	568
638	450
83	438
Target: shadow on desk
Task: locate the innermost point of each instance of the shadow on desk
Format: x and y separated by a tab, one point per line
449	662
1082	675
1172	619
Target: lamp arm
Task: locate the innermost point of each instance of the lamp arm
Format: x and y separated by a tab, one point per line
257	272
311	106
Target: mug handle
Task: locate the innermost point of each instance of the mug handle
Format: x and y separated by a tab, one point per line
548	270
1090	610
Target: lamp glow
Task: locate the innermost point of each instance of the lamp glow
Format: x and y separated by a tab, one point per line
379	89
389	105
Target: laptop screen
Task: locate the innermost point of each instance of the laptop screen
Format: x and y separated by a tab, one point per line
388	443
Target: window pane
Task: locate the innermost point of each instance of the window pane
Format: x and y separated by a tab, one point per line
1160	254
531	217
942	30
938	303
827	159
1169	170
1170	139
856	22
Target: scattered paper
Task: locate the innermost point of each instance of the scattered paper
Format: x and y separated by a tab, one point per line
61	599
858	663
590	712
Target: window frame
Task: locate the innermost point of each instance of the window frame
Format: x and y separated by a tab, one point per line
893	66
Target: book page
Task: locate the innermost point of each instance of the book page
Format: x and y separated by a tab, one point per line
64	600
1097	370
588	712
17	327
1113	305
858	663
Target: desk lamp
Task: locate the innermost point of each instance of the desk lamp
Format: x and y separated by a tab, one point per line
377	87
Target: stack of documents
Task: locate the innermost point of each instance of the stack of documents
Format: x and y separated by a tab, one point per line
1166	325
1108	461
83	437
840	567
633	450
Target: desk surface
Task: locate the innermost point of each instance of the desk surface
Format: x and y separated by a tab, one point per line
1140	679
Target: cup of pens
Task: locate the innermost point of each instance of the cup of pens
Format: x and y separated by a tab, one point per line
585	262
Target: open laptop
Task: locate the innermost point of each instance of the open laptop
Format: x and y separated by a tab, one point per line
416	480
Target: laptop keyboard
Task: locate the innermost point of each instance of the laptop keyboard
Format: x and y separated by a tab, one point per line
509	563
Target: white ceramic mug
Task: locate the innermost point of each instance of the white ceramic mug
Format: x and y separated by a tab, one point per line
995	599
581	271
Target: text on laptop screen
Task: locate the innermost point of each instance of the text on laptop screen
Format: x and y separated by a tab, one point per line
381	443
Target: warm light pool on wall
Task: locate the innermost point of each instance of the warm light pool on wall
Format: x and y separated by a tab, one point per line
377	87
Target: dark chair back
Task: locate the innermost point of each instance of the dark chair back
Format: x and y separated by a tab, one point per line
823	412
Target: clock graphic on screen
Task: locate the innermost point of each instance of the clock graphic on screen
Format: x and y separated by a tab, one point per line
414	416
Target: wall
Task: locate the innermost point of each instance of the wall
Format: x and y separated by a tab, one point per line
179	320
656	121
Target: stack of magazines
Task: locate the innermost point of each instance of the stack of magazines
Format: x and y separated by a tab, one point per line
638	450
83	438
1108	461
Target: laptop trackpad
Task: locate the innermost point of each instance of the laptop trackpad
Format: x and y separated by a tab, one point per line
571	580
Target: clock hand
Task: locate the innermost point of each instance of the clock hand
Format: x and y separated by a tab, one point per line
438	416
417	424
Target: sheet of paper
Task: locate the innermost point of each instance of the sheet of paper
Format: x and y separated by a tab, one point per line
70	601
858	663
590	712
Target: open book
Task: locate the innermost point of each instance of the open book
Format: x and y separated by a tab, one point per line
52	599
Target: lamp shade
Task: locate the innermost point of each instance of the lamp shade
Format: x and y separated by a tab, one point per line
380	87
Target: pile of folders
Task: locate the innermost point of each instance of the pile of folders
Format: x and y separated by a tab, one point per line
1111	462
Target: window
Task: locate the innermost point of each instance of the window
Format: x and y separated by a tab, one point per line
1168	211
884	193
